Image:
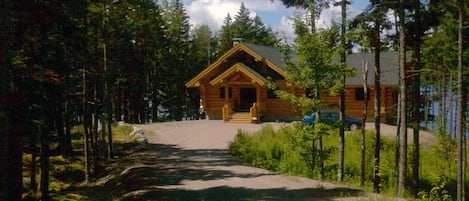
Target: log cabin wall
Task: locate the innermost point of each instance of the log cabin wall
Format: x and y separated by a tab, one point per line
278	109
354	104
270	108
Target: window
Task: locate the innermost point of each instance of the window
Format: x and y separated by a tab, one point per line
271	94
360	94
309	92
222	92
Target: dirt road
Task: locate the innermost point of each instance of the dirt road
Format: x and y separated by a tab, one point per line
189	161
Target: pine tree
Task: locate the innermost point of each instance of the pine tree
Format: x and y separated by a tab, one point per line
251	30
225	37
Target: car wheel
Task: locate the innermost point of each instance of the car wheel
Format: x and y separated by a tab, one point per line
354	127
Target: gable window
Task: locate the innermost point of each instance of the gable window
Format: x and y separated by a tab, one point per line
360	94
309	92
222	92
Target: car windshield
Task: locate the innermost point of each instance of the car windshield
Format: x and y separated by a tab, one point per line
334	114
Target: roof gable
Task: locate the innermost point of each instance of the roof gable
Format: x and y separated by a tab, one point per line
239	67
272	57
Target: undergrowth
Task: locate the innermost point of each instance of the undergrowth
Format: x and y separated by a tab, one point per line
67	172
280	151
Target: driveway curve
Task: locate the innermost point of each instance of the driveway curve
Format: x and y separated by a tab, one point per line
189	160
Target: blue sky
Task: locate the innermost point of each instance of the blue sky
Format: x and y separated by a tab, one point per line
274	14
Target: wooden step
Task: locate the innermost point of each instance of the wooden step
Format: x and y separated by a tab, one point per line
240	117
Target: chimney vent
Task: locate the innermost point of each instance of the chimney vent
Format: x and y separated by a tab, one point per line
237	40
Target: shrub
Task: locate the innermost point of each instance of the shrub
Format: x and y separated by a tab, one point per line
437	193
289	151
262	149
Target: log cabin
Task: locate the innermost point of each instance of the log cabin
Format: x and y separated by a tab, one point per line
234	87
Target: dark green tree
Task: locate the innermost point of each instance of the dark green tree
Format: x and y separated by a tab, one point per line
225	37
375	15
251	30
315	8
175	68
312	69
202	51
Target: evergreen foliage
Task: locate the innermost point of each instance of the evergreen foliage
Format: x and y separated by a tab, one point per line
250	29
91	63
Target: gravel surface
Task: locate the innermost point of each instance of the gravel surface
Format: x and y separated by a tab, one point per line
189	161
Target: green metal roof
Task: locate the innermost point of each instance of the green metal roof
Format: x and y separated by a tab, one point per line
270	53
389	64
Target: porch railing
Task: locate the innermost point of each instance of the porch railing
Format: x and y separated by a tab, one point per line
253	113
226	112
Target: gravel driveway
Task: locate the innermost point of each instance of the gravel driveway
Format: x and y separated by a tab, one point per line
189	161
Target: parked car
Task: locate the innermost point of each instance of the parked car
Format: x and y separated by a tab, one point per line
330	115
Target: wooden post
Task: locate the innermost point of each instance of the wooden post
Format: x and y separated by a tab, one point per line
226	94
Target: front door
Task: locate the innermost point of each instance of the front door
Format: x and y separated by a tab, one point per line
247	98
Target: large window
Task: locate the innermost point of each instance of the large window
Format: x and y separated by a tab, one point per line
222	92
271	94
360	94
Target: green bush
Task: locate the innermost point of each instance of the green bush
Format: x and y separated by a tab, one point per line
262	149
437	193
288	151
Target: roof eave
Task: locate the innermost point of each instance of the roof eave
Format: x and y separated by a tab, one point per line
256	78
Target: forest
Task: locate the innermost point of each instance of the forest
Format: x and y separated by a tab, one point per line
90	64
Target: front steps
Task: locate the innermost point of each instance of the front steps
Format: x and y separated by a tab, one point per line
240	117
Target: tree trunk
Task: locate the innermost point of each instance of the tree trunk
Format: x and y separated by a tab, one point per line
85	122
398	120
94	143
320	158
107	105
417	101
68	131
450	116
319	139
365	114
44	164
340	171
442	112
377	106
461	169
59	122
11	111
33	149
403	106
398	142
11	146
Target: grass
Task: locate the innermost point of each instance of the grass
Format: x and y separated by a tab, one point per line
280	152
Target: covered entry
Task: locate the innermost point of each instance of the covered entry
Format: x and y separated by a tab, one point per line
247	96
234	88
245	84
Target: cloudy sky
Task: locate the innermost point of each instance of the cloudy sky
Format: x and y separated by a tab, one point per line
274	14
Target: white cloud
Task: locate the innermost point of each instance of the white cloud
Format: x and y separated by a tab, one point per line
273	13
213	12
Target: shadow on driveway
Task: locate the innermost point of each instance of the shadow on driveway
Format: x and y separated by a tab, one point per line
229	193
161	172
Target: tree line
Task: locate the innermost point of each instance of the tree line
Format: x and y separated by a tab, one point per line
94	63
433	33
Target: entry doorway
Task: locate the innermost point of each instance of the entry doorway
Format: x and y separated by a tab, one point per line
247	98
